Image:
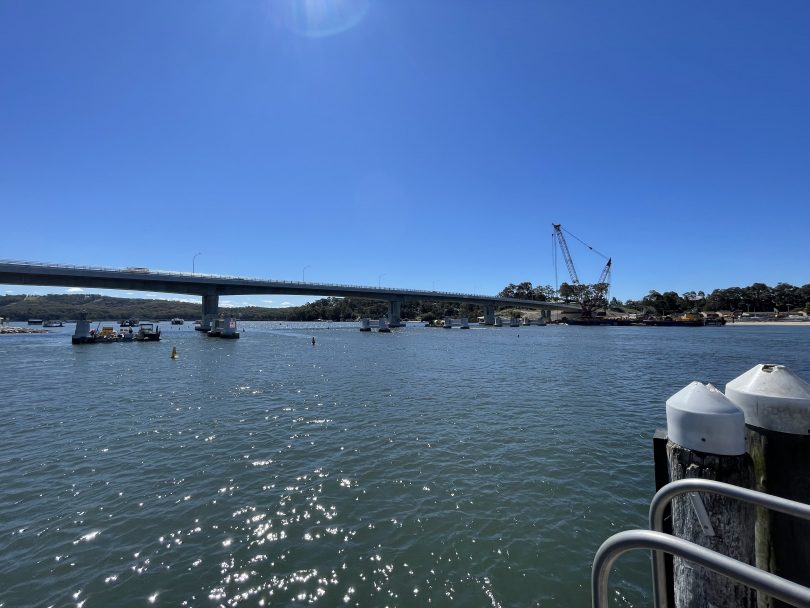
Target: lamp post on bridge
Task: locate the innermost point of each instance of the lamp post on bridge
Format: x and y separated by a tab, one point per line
304	271
193	262
379	279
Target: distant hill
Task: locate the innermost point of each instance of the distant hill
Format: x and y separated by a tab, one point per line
99	307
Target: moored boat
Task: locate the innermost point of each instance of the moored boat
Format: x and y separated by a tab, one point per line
52	324
687	320
148	332
107	334
177	321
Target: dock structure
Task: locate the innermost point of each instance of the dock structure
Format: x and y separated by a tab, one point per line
732	474
211	287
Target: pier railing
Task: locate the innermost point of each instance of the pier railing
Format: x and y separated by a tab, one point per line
660	543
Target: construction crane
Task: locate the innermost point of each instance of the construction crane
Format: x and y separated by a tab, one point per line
590	297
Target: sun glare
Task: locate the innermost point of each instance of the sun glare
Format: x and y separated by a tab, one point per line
318	18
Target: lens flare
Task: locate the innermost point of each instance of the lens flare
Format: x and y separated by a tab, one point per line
318	18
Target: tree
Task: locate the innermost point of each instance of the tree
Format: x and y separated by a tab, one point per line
567	292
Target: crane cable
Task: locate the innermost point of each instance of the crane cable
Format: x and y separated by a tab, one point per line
586	244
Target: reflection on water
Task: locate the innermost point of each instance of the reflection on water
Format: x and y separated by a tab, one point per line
422	466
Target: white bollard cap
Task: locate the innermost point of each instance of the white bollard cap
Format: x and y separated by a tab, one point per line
773	398
700	417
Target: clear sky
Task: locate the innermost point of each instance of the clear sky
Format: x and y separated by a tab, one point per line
409	143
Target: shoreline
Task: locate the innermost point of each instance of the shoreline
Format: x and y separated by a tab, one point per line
769	323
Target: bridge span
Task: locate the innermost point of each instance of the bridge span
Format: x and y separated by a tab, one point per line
210	287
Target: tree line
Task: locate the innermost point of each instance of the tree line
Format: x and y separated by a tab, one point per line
758	297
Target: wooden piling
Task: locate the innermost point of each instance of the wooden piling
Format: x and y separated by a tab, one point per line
776	404
730	530
707	441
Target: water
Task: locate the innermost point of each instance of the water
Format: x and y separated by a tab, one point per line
425	466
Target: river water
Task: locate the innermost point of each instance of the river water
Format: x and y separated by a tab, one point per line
425	466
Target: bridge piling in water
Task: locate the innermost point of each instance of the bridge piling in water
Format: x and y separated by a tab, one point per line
210	310
395	313
489	314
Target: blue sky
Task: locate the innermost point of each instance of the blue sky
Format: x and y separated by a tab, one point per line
411	144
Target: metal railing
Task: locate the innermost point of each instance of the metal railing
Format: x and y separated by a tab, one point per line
775	586
660	543
683	486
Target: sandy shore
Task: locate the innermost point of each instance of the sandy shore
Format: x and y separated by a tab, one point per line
758	323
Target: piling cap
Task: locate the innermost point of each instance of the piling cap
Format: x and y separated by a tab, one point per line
700	417
773	398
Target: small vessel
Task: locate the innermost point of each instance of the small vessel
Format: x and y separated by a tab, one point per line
687	320
177	321
129	323
107	334
229	329
216	328
148	333
52	324
34	321
224	328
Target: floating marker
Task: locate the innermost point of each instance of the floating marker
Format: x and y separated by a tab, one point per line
174	352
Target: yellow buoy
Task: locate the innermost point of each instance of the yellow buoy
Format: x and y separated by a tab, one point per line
174	352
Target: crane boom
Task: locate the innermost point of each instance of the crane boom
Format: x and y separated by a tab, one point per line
603	278
590	297
566	254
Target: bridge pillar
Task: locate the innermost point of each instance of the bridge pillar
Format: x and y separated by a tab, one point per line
489	314
210	311
394	312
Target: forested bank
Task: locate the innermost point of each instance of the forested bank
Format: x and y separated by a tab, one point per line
756	298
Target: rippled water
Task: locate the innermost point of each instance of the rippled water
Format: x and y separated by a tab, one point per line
468	468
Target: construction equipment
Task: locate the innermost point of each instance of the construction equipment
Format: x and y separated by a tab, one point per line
591	297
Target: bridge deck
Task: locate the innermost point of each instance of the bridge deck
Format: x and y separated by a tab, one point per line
13	272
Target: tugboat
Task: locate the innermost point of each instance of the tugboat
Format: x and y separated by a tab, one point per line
148	333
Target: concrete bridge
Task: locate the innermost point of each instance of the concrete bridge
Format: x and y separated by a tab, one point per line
210	287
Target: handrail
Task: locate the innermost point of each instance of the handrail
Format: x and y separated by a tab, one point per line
683	486
775	586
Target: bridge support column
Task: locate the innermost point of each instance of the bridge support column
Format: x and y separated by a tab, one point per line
394	312
489	314
210	311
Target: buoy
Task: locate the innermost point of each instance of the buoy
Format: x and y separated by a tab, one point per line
174	352
313	340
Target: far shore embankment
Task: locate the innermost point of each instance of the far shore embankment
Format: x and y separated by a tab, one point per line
770	323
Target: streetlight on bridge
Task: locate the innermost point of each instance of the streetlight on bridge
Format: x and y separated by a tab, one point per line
304	271
379	279
193	261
